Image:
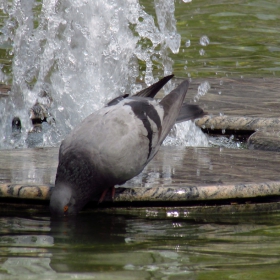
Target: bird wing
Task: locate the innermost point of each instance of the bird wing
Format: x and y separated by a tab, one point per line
171	105
150	91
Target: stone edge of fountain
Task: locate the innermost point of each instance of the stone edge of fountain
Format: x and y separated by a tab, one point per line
237	198
157	193
263	133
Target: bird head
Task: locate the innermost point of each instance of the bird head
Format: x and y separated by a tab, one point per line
63	202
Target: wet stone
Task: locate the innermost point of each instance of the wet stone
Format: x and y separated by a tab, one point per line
238	123
265	140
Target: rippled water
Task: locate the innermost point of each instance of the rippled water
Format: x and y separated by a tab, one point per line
243	41
242	34
105	246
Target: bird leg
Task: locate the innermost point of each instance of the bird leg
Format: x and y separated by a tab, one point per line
113	191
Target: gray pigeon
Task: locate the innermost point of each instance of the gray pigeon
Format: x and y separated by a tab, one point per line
115	143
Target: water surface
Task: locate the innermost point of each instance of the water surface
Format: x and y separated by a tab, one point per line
244	42
242	34
103	246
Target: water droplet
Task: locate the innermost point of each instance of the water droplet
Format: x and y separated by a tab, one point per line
202	52
204	41
187	1
223	131
220	92
202	90
188	43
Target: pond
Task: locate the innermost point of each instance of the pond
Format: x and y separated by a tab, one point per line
98	245
219	39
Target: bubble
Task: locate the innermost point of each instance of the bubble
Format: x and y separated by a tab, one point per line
204	41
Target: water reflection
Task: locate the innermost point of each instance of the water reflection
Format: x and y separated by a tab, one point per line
171	167
116	246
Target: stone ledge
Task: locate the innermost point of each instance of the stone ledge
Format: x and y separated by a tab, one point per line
199	193
157	194
238	123
37	192
265	140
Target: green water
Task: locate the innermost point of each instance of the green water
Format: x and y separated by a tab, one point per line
244	41
104	246
244	38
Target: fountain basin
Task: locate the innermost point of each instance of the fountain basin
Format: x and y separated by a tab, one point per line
197	180
192	178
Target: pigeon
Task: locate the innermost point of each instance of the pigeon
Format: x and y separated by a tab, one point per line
115	143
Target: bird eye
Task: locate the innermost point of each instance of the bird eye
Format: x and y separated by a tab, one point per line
65	209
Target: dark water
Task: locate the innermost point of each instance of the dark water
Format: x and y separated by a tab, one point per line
113	246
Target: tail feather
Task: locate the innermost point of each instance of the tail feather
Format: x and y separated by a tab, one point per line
171	104
190	112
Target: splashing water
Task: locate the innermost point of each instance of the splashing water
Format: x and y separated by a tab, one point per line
71	57
203	88
186	134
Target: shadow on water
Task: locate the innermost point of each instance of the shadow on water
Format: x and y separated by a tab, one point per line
107	246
